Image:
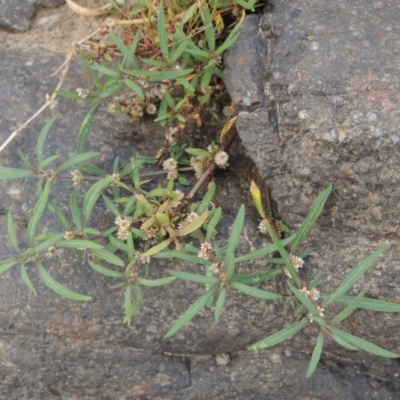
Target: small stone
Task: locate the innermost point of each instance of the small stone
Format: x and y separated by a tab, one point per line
222	359
375	213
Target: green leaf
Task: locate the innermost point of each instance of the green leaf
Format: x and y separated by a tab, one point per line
207	198
79	244
187	276
13	173
263	251
25	278
58	287
42	138
92	195
111	89
109	257
131	308
213	223
252	291
43	164
157	248
316	355
253	279
159	75
182	256
129	60
280	336
78	159
197	152
364	344
45	245
136	88
105	271
366	303
118	243
162	33
85	127
37	213
208	27
26	161
314	283
106	71
349	309
120	44
191	312
12	235
110	205
60	215
232	37
285	256
156	282
229	262
196	224
341	341
75	210
312	308
68	94
4	266
220	304
311	217
354	276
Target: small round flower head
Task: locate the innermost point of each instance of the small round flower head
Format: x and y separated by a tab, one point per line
69	235
215	268
229	111
200	164
314	294
221	159
77	177
151	109
83	93
172	175
305	291
296	261
143	259
124	226
116	177
170	164
262	226
111	107
137	110
192	217
320	311
203	253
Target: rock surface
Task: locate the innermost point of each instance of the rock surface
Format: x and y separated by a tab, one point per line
17	15
52	348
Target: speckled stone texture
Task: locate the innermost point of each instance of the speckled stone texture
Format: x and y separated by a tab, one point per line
330	115
17	15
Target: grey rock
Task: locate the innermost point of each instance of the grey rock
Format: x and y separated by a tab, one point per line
17	15
244	65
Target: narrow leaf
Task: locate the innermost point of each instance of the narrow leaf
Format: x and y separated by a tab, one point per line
12	235
263	251
13	173
4	266
156	282
109	257
354	275
196	224
229	262
92	195
58	287
304	300
78	159
38	212
79	244
105	271
162	33
191	312
364	344
42	138
316	355
187	276
341	341
349	309
252	291
25	278
85	127
220	304
366	303
311	217
280	336
75	210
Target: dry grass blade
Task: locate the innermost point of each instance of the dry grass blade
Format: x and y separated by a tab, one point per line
87	12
